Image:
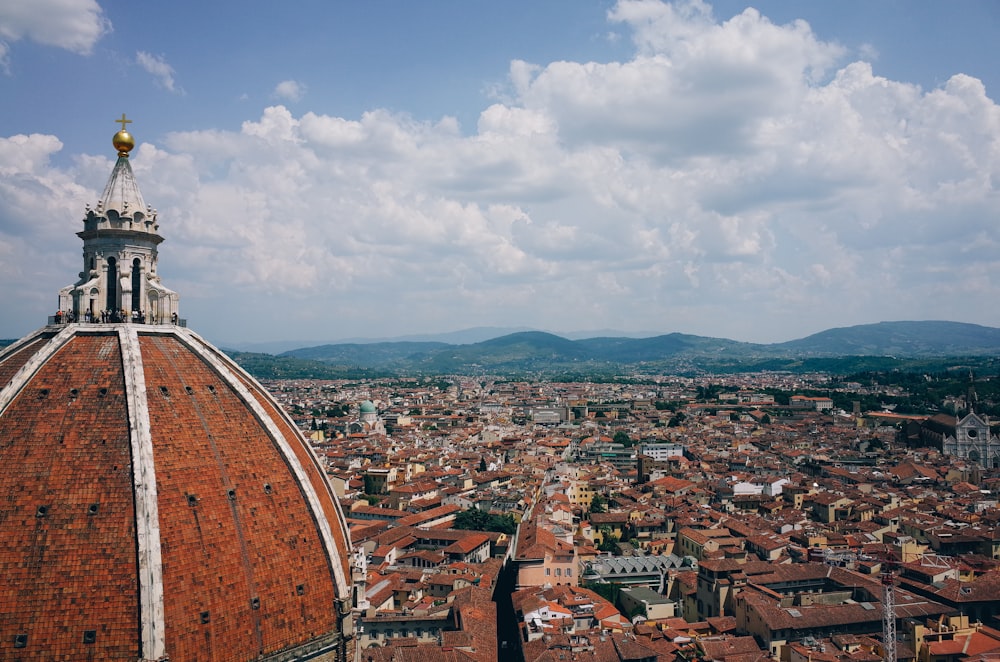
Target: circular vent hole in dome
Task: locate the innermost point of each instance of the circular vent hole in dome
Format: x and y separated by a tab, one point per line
192	500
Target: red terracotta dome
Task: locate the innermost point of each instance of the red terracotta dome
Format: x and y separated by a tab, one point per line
158	504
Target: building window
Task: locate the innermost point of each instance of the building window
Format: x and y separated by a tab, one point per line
558	572
569	572
548	571
112	282
136	284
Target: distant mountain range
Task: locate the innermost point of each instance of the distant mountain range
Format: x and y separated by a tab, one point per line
913	346
869	346
462	337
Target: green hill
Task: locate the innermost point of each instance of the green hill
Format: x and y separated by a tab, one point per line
886	345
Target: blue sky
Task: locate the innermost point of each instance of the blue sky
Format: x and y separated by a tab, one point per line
332	170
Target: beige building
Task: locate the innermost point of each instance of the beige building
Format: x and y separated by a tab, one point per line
704	543
639	601
543	559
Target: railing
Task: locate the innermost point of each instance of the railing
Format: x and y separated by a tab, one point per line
111	318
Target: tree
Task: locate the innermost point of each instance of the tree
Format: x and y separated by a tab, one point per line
482	464
371	487
710	392
609	541
606	590
598	504
474	519
621	437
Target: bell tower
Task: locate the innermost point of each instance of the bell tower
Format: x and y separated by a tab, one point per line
120	238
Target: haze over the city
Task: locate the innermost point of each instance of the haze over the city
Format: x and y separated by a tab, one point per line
335	170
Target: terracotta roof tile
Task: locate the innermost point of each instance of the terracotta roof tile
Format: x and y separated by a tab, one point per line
246	570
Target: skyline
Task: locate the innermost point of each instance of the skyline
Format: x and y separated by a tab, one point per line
333	172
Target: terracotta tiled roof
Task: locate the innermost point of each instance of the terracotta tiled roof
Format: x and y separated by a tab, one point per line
631	648
162	500
467	543
671	484
986	587
420	518
400	651
729	647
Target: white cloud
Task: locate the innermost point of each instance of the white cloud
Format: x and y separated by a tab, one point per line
162	72
694	83
39	205
289	90
75	25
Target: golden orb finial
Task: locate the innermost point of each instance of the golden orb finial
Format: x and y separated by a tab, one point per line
123	140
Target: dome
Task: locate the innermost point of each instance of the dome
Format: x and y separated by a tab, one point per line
159	504
159	499
368	407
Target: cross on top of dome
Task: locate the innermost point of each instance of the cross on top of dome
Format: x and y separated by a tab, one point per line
123	140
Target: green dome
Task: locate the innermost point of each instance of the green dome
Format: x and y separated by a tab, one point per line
368	407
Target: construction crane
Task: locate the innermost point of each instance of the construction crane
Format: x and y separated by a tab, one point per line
889	608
